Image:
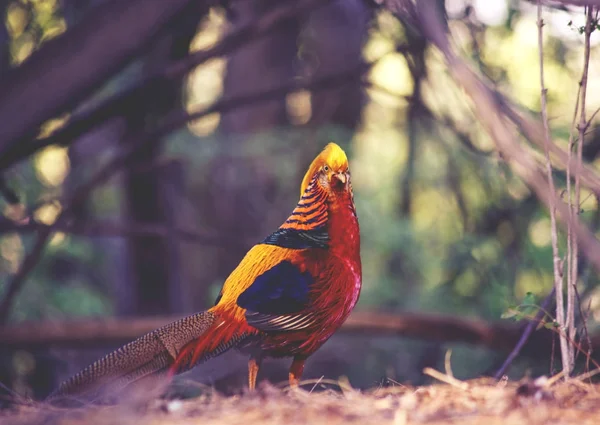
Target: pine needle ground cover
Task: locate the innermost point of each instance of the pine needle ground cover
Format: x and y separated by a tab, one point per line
482	401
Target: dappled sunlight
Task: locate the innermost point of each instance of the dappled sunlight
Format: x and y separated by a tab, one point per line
491	13
50	126
381	154
57	239
588	201
391	73
16	20
594	300
48	213
436	215
539	232
487	252
467	283
299	107
537	282
16	212
377	46
11	251
205	82
31	24
443	96
505	233
517	189
52	165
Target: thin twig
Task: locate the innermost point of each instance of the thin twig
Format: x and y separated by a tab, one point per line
572	288
448	364
526	334
553	379
450	380
592	118
552	353
586	334
570	235
556	261
588	375
16	283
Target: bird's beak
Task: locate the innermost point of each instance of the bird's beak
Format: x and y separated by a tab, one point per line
341	177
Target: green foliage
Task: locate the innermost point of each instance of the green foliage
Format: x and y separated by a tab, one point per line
581	28
528	310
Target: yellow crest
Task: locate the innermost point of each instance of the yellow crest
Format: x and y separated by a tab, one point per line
333	156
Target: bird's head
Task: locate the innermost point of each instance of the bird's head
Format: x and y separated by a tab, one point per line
331	170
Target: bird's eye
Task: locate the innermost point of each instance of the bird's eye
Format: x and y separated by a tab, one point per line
326	168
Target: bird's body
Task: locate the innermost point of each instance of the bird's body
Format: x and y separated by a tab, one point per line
288	295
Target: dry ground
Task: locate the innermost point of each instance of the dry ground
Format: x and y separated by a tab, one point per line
450	402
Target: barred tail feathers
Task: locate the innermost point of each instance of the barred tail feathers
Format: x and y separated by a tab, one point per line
150	354
223	334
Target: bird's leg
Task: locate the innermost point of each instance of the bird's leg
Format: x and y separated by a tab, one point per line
296	370
253	366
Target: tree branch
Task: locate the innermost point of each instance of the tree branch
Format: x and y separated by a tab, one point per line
70	67
115	331
106	228
565	350
493	116
91	117
131	147
15	284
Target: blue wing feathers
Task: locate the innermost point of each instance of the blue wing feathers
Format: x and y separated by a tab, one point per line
281	290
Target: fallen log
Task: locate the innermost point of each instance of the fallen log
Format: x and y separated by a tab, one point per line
111	331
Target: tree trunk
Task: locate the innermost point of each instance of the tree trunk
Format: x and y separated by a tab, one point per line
335	35
153	261
239	188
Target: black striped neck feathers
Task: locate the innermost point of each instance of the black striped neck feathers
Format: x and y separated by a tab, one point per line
306	227
326	185
311	211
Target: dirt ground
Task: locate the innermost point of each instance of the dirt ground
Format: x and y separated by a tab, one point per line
543	401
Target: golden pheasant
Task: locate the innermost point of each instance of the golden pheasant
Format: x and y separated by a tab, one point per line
286	297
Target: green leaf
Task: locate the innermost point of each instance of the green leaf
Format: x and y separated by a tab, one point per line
529	298
510	313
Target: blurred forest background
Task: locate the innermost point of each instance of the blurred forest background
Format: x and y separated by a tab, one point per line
128	206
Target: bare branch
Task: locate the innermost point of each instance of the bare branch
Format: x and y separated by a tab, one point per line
556	261
586	333
71	66
578	2
107	228
571	240
15	284
583	125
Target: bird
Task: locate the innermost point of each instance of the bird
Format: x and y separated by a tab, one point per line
285	299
